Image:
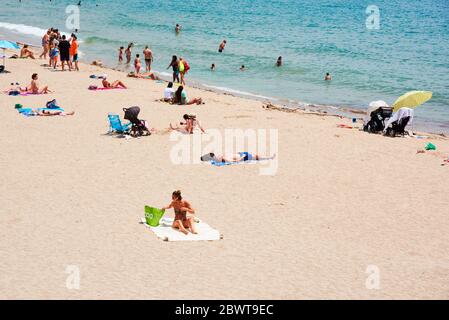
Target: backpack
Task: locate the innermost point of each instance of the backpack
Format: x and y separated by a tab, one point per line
52	104
186	66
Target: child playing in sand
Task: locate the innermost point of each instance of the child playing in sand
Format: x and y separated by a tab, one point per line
184	219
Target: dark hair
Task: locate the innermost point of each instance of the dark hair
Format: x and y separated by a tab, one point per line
63	37
33	76
208	157
280	58
137	55
170	85
174	58
178	94
327	74
177	194
122	47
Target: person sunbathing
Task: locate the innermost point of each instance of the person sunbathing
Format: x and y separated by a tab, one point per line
235	157
190	125
115	84
34	86
26	53
146	75
184	219
49	113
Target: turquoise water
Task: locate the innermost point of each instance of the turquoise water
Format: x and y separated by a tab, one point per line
409	52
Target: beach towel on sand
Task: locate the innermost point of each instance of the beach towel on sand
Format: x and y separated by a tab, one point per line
165	232
221	164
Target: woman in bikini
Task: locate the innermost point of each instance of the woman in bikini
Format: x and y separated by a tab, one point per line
115	84
183	214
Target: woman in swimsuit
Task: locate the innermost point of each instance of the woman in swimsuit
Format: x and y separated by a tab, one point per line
175	65
137	64
236	157
115	84
183	213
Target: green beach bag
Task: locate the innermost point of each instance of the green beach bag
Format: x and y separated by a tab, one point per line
153	216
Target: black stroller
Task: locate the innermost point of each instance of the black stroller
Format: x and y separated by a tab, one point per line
398	127
376	123
138	127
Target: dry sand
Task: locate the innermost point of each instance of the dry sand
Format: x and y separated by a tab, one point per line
342	200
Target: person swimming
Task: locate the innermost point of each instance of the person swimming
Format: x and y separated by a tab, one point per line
222	45
327	77
212	67
242	68
279	62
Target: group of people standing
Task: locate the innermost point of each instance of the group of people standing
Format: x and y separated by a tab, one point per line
58	47
147	54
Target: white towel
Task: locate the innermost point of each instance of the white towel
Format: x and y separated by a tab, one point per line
165	232
400	114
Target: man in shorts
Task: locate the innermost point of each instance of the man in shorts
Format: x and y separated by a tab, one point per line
64	52
74	52
148	54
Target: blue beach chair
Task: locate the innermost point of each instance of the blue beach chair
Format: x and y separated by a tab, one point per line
115	125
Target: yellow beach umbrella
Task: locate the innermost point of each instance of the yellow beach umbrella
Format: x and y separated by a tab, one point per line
412	99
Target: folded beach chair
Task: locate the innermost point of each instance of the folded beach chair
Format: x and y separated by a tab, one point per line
115	125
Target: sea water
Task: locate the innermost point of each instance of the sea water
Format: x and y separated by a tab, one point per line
408	51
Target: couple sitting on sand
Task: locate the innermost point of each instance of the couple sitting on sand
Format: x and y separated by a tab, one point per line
190	125
179	96
184	214
33	88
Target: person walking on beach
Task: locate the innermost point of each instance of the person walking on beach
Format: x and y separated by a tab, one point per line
183	68
45	43
148	54
128	53
175	65
137	64
64	52
222	46
184	213
120	54
74	53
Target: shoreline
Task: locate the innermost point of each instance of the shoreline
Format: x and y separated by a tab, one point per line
348	112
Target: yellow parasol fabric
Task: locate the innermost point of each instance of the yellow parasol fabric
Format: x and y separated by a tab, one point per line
412	99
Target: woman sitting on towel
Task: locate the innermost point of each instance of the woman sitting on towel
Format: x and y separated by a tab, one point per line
183	213
236	157
115	84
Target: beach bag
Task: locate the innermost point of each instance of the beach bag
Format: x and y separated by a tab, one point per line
153	216
14	93
92	87
52	104
186	66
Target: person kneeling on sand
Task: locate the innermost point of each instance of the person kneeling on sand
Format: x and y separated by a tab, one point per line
235	157
26	53
180	97
191	124
184	213
115	84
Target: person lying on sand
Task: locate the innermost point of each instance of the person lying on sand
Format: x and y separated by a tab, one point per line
191	124
26	53
50	113
146	75
235	157
181	98
184	219
115	84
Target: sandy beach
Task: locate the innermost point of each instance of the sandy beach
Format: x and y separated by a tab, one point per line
341	202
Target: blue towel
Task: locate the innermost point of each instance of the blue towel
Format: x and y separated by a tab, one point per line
220	164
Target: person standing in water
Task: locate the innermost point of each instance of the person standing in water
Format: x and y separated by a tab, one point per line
120	54
177	28
279	62
128	53
175	65
222	46
148	54
137	64
327	77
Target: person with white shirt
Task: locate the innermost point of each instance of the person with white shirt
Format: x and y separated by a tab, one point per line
169	92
